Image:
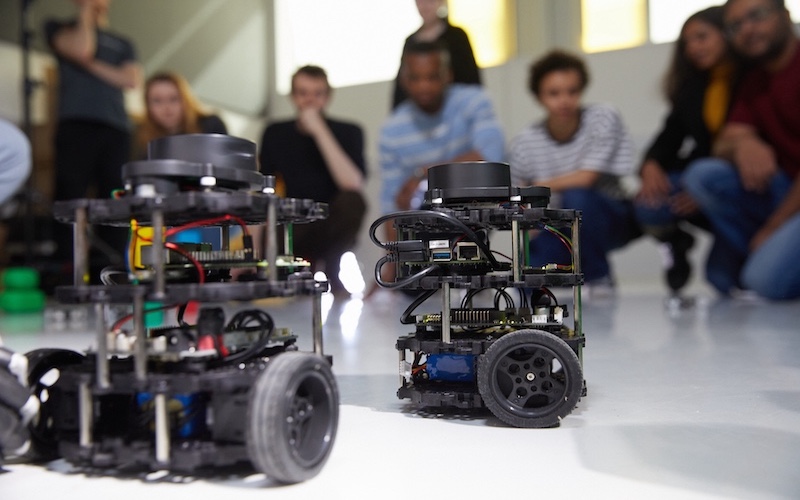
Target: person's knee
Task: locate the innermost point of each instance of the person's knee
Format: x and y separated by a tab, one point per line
768	284
580	198
771	270
702	175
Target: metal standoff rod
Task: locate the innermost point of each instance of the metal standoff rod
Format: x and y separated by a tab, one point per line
80	247
140	342
226	237
159	254
162	428
316	318
516	251
272	238
102	370
86	416
446	312
576	269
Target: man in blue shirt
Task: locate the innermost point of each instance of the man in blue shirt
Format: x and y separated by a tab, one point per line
15	159
440	122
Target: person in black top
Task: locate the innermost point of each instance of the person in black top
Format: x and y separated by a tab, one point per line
172	109
436	28
93	134
322	159
699	86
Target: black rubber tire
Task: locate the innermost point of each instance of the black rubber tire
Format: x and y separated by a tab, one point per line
530	378
44	445
293	415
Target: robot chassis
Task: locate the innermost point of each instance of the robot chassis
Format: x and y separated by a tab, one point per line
519	360
185	398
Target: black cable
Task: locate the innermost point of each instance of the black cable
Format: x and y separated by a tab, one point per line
239	322
405	319
405	281
181	312
431	213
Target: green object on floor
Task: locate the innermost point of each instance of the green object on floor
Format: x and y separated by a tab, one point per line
21	292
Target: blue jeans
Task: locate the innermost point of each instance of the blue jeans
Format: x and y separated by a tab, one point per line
773	270
607	224
662	216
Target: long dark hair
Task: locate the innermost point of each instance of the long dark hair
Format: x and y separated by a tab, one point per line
681	69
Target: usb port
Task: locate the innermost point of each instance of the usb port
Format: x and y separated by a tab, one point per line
441	255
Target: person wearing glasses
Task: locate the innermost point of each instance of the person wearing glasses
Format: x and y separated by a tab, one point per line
699	85
751	190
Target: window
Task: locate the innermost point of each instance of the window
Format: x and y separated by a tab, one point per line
667	16
612	24
618	24
356	41
360	41
489	26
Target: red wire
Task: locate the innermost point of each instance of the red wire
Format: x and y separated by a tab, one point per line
175	248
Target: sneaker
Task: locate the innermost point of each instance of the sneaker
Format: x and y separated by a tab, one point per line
676	262
746	296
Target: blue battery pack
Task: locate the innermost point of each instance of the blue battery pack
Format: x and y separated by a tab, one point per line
182	407
451	367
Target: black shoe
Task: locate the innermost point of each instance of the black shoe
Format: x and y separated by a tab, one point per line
679	270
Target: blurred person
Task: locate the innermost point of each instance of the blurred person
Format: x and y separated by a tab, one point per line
319	158
170	109
15	159
440	122
93	134
699	86
436	28
581	152
751	191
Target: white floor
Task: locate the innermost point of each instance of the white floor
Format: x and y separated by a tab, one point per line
695	403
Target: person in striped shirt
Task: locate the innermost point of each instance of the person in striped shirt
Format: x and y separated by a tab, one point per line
581	152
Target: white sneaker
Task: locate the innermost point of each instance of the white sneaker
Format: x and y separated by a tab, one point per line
747	296
601	288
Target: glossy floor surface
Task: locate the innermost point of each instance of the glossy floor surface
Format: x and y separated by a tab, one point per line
696	402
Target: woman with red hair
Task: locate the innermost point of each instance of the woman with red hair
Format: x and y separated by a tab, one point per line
172	109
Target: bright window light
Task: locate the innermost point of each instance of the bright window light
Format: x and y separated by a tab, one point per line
667	16
489	26
361	41
612	24
357	41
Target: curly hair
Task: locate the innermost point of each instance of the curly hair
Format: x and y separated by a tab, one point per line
556	60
